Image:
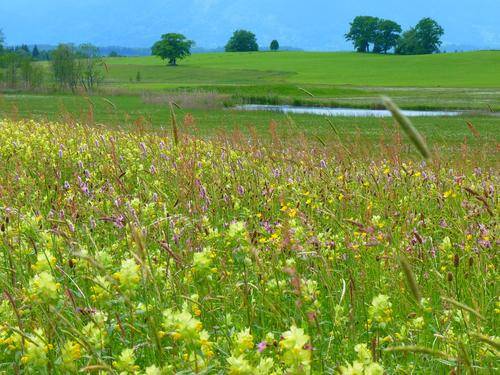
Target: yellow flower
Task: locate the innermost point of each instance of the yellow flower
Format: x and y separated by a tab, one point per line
128	276
293	344
446	244
152	370
45	261
203	260
126	362
380	310
239	366
182	325
243	341
70	353
44	287
101	289
35	354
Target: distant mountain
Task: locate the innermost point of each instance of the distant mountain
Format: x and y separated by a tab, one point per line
311	25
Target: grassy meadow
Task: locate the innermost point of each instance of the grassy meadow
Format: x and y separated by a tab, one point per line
335	79
139	237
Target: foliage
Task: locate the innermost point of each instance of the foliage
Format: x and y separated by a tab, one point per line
172	47
424	38
408	44
75	68
363	32
20	71
242	41
274	46
90	67
386	36
2	40
32	75
65	67
35	53
124	252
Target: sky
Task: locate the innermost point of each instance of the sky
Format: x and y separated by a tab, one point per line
306	24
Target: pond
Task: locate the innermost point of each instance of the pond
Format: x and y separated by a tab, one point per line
342	112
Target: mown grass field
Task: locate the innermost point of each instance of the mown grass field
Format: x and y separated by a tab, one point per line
472	69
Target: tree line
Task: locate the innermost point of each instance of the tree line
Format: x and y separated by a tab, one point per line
368	34
82	68
173	46
383	35
72	68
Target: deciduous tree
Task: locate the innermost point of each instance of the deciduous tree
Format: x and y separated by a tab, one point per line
429	33
91	67
65	66
424	38
387	35
242	41
172	47
363	32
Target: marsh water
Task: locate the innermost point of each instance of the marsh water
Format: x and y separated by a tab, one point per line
341	112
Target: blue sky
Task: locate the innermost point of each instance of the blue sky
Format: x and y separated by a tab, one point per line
308	24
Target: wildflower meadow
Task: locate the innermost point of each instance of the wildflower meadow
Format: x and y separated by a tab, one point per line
139	252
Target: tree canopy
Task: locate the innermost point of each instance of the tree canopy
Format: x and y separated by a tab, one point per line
242	41
172	47
385	35
362	32
35	53
424	38
274	45
65	66
2	39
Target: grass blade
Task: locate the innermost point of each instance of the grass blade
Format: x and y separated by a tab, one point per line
408	127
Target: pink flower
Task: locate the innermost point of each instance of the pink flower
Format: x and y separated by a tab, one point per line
261	346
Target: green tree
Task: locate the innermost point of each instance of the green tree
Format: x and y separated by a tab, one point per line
387	35
408	43
363	31
35	53
242	41
274	45
91	67
65	67
11	62
172	47
428	33
25	49
424	38
32	74
2	40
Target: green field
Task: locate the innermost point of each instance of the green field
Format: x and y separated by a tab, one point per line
462	80
455	80
473	69
205	84
127	110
